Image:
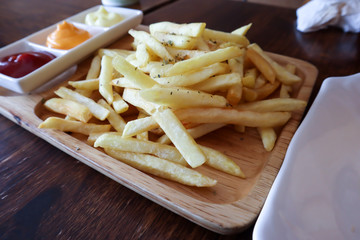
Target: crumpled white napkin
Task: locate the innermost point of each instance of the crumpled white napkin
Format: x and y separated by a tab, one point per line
319	14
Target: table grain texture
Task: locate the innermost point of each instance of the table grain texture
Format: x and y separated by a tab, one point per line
46	194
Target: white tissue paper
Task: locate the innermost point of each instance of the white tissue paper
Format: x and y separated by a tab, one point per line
319	14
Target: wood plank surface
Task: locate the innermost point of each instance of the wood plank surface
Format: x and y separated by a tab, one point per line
47	194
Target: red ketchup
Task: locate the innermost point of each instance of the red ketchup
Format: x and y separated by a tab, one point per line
21	64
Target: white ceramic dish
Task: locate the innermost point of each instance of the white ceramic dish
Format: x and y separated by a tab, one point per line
66	59
316	194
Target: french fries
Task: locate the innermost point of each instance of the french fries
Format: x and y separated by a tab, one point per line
184	81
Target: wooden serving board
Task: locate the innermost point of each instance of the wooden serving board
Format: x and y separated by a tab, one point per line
230	206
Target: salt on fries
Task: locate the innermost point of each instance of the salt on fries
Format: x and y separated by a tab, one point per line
185	81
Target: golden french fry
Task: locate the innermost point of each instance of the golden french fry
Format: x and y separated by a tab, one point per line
142	55
237	65
261	63
189	29
145	134
88	84
219	161
234	94
70	108
94	69
139	125
177	41
124	83
183	54
282	74
233	116
174	97
105	87
73	126
242	30
140	79
219	36
180	137
273	105
114	52
249	94
163	168
191	78
119	104
97	110
218	83
139	146
268	137
204	60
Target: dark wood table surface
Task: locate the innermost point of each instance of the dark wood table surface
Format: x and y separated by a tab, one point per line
46	194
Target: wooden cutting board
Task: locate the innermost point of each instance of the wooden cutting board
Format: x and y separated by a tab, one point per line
230	206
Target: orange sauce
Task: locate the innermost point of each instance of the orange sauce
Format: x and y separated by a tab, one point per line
66	36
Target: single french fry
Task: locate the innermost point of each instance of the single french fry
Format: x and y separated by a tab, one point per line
183	54
94	69
180	137
261	63
98	111
174	97
242	30
139	146
191	78
218	83
139	125
73	126
145	134
249	94
219	36
140	79
124	83
163	168
233	116
105	87
281	73
234	94
204	60
221	162
268	137
70	108
119	104
189	29
142	55
273	105
88	84
116	121
177	41
114	52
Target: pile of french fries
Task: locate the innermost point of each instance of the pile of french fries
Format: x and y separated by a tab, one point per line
185	81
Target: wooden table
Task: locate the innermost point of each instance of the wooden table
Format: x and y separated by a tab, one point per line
46	194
